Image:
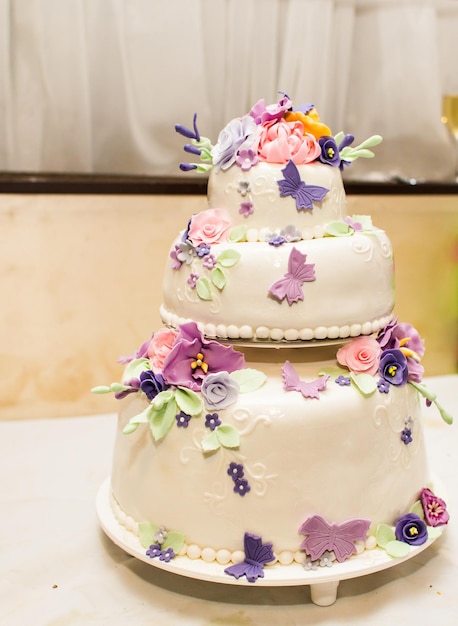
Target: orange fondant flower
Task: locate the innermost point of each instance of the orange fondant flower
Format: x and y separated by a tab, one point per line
310	121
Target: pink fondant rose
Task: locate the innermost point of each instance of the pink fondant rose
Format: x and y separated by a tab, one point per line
159	347
210	226
361	355
285	141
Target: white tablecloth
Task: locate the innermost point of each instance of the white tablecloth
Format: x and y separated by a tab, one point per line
58	568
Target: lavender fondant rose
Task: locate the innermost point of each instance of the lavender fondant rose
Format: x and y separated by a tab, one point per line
361	355
209	227
219	390
411	529
393	367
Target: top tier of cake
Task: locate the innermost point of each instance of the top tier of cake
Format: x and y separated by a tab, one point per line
274	257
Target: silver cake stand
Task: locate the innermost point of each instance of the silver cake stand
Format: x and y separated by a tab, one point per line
323	581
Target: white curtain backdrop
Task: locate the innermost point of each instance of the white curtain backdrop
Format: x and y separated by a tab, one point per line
97	85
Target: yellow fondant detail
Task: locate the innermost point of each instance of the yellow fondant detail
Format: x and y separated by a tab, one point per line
199	362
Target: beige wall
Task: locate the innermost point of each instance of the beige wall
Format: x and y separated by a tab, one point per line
80	284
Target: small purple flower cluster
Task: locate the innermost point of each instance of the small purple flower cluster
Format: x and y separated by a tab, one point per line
212	421
156	550
182	419
241	486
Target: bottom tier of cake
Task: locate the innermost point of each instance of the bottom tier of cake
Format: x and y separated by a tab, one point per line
306	444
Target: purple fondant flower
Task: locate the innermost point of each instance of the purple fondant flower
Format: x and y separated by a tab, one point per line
411	529
246	209
434	508
182	419
192	280
383	386
406	436
212	421
154	551
393	367
219	390
329	151
235	470
346	141
404	337
166	555
263	114
244	187
176	263
276	241
185	252
210	262
151	384
237	135
203	249
246	158
193	358
241	486
343	381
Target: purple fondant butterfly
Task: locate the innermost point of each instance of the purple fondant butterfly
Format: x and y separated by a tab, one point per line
340	538
292	185
292	382
257	555
299	272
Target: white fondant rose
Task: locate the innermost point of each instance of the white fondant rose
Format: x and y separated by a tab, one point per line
361	355
219	390
210	226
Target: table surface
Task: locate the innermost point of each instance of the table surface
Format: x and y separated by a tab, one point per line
58	568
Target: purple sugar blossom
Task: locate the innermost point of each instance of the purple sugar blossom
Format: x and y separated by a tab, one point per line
166	555
192	280
203	249
246	158
210	262
241	486
246	209
406	436
343	381
383	386
212	421
393	367
182	419
193	357
151	384
235	470
329	151
154	551
277	240
411	529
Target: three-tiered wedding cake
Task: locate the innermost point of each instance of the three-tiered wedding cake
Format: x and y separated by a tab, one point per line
276	418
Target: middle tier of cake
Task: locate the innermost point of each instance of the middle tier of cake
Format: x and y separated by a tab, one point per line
330	287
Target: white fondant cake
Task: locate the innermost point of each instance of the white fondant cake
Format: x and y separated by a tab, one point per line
281	448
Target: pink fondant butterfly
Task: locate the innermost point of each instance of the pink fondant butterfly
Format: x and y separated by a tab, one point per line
340	538
292	382
299	272
292	185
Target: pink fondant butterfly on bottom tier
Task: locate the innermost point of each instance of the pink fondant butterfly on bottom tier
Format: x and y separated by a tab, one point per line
340	538
292	382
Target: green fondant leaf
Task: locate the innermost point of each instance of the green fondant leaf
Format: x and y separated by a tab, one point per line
384	535
432	397
333	372
188	401
228	258
218	278
162	419
203	288
101	389
238	234
174	540
134	422
397	549
211	442
146	532
338	229
365	383
228	436
135	368
248	379
417	509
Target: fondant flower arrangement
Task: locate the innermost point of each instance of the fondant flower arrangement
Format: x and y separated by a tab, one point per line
392	358
276	133
415	527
